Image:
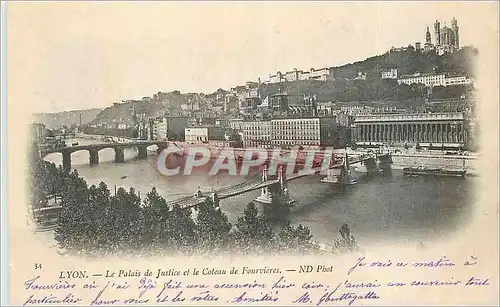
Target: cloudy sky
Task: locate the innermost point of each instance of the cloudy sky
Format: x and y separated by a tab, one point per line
64	56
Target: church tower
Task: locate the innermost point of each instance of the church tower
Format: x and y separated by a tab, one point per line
437	32
454	28
428	37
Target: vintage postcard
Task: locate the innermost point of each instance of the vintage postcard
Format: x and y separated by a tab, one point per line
250	153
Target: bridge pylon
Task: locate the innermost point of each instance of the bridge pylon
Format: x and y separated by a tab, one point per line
119	155
66	160
265	196
371	165
384	161
284	191
93	157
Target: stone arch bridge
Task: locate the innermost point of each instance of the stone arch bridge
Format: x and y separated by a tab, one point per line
94	149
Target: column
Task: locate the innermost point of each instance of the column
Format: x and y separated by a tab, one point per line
433	133
393	133
450	132
446	131
440	131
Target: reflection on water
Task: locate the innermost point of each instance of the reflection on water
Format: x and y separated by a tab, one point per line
378	208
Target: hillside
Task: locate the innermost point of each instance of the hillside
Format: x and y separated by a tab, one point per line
374	88
411	61
67	118
341	89
148	107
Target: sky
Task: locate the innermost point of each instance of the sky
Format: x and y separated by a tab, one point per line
81	55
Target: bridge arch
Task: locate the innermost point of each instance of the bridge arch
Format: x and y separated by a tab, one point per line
93	150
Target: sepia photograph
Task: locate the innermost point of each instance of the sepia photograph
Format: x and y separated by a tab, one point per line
251	139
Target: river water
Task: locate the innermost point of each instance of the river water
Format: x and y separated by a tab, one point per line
380	208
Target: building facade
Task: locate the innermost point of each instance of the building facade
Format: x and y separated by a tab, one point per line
167	128
425	129
287	132
256	134
204	135
321	74
431	80
389	74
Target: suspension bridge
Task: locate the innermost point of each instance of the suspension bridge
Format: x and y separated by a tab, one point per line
262	181
259	181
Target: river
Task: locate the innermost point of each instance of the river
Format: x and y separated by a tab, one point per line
378	209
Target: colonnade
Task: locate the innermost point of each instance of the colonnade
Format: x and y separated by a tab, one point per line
426	132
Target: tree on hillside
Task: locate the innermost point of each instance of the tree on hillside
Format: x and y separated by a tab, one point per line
296	239
212	227
122	221
346	242
155	232
98	201
183	230
72	222
254	232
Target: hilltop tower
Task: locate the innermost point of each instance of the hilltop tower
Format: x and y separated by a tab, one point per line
454	28
428	36
437	33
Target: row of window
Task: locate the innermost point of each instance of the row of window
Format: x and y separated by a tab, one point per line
283	133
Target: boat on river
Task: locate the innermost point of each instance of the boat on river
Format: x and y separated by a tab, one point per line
424	171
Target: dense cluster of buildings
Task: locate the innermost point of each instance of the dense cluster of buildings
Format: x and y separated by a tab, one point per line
249	116
318	125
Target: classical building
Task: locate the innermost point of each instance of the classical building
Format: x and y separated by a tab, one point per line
425	129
